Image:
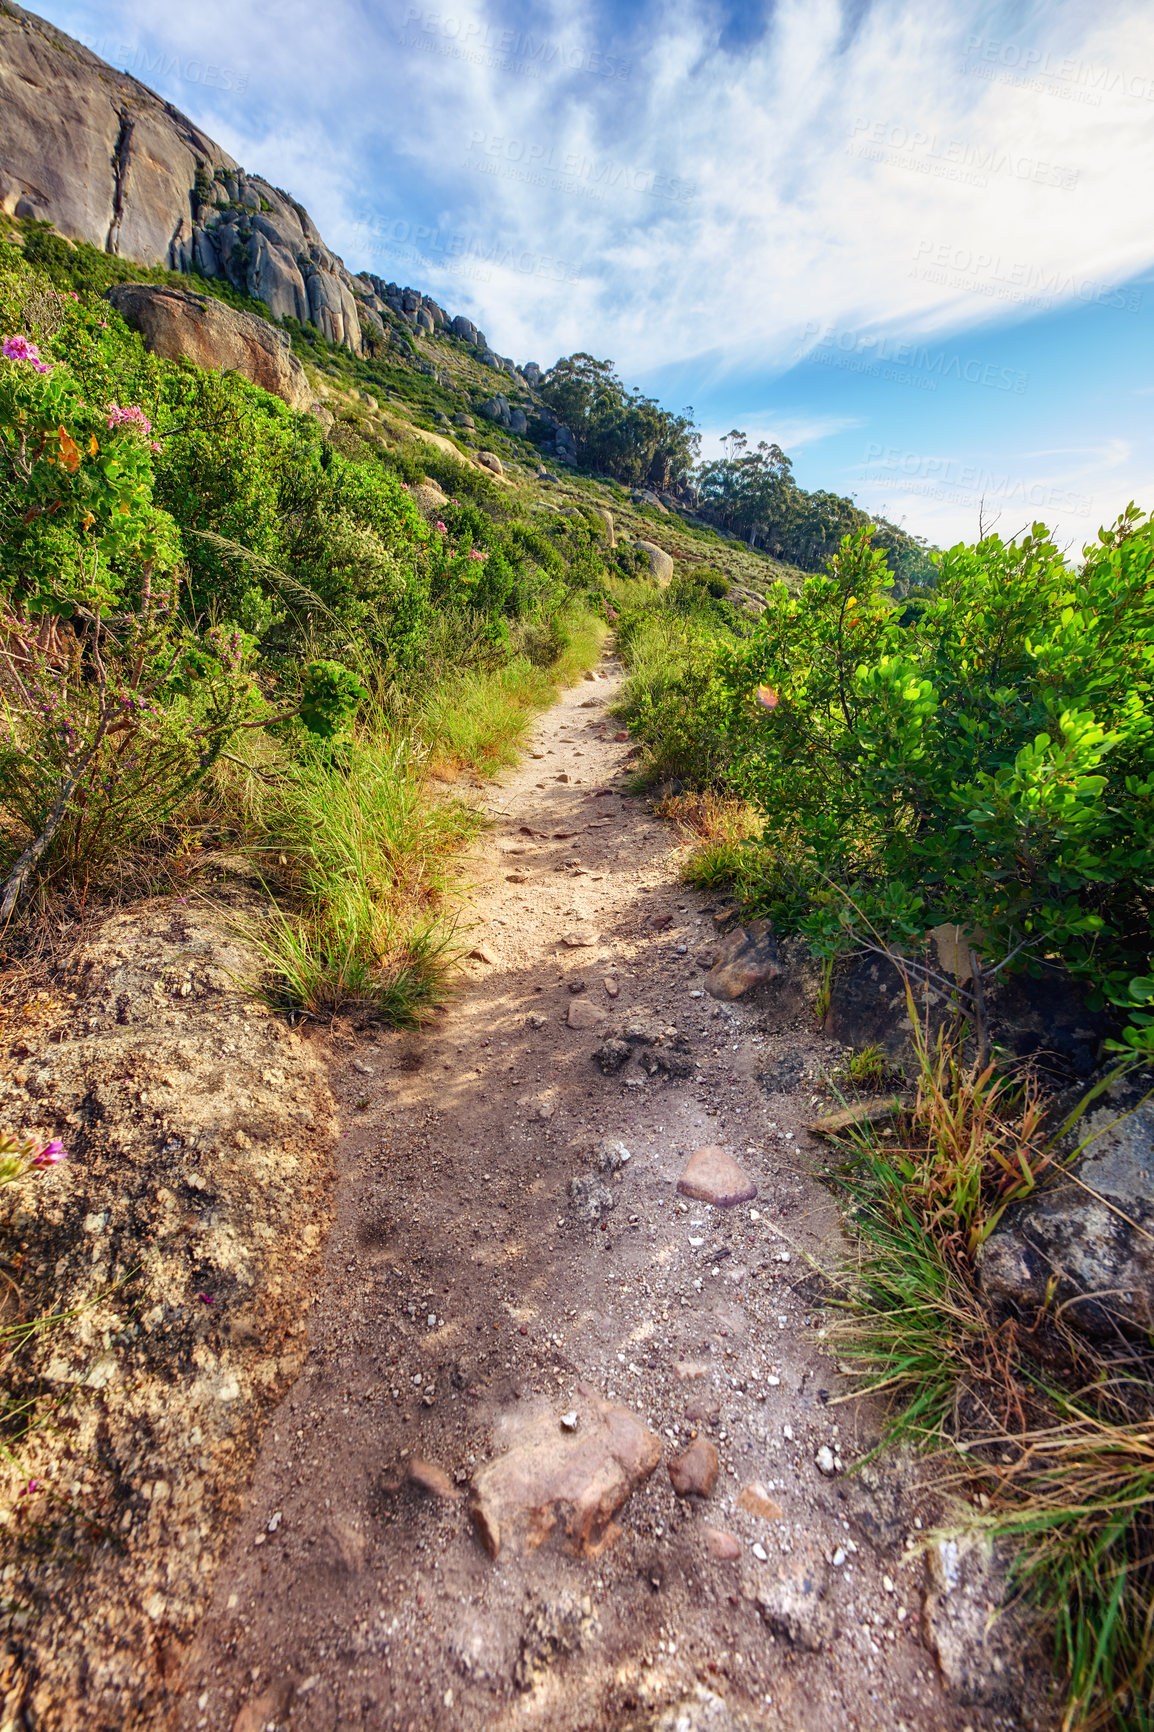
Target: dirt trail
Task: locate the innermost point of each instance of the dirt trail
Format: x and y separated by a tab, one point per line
463	1294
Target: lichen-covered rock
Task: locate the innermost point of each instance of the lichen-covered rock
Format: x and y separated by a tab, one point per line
179	1243
590	1198
180	325
977	1651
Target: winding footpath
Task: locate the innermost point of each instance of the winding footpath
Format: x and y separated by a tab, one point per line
497	1359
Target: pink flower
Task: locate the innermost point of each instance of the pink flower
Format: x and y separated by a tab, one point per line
205	1298
155	445
473	554
20	349
133	416
50	1155
440	527
767	697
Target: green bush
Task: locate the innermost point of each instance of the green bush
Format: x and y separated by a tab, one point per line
983	754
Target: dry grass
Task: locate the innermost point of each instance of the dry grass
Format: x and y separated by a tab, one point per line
1054	1433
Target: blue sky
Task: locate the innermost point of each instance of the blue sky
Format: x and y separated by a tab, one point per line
912	242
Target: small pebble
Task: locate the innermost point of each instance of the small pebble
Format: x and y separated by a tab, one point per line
760	1553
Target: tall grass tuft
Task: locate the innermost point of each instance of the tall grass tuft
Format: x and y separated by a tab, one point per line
477	718
366	855
1067	1481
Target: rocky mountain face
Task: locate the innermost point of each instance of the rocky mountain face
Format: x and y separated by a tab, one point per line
105	160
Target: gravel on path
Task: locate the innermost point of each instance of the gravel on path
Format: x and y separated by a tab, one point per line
469	1294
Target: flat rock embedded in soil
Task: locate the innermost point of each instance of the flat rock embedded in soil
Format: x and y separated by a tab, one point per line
790	1594
552	1478
714	1177
179	1247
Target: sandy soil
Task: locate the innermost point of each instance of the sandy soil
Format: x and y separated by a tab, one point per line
463	1294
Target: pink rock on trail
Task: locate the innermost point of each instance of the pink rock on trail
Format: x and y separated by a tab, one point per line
714	1177
694	1474
552	1478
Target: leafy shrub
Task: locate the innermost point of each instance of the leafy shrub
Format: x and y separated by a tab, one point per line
985	755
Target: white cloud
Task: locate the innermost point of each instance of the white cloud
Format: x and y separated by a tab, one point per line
900	180
718	211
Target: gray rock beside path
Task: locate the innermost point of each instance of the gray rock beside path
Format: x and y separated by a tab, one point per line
1087	1239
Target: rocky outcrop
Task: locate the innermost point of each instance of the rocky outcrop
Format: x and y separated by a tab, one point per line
105	160
178	1249
179	325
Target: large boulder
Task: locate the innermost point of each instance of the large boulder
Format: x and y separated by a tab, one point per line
660	562
1087	1242
105	160
182	326
91	150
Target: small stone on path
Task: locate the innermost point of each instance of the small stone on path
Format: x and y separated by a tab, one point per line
482	953
755	1500
578	940
694	1474
549	1479
725	1547
430	1478
590	1198
582	1014
714	1177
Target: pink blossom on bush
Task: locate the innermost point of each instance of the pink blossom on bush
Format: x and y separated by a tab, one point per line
473	554
133	416
20	349
440	527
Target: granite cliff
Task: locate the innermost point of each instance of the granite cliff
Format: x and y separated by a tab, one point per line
126	171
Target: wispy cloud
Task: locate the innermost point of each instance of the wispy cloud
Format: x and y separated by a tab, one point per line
689	184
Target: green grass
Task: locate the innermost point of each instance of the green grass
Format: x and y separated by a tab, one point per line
478	719
367	881
1065	1470
365	845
